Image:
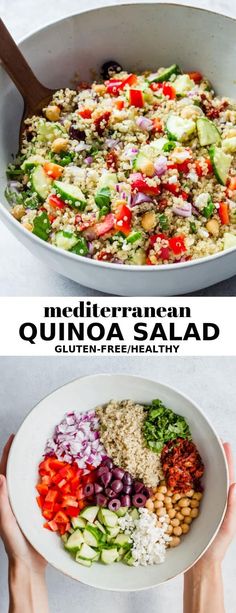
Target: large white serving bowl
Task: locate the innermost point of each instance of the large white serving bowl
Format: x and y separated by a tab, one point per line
138	36
81	395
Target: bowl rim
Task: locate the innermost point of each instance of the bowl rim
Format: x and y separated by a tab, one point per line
146	380
9	219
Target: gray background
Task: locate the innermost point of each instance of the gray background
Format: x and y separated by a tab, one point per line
21	274
209	381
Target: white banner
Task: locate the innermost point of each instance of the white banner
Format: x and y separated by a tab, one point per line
123	326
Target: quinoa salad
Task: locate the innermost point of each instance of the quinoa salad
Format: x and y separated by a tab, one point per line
121	483
138	169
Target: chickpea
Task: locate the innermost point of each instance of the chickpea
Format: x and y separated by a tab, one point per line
168	500
162	489
184	502
18	211
188	520
59	144
168	506
148	222
52	112
177	531
176	498
197	495
161	512
213	227
194	504
194	513
177	508
159	496
148	168
154	489
175	541
158	504
167	519
186	511
171	513
169	493
99	88
190	493
149	505
28	226
169	529
185	528
175	522
180	516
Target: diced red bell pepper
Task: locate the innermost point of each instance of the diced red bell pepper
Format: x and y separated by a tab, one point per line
40	501
113	86
45	467
61	518
157	125
56	203
111	160
53	170
136	98
199	167
42	489
53	525
56	464
132	79
123	217
105	256
195	76
101	122
169	91
52	496
232	184
47	514
141	185
177	244
105	226
119	104
172	187
224	213
154	237
85	113
156	86
69	501
72	511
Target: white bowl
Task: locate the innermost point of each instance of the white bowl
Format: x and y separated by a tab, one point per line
87	393
138	36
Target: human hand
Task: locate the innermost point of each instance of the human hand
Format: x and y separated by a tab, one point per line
16	545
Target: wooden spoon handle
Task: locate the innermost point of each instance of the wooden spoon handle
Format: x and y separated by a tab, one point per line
19	71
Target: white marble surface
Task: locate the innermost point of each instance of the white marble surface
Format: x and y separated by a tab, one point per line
210	382
21	274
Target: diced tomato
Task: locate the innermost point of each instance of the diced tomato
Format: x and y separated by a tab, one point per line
45	467
113	86
80	494
42	489
111	159
209	166
40	501
85	113
56	464
177	244
72	511
232	184
53	525
224	213
132	79
56	203
184	195
156	86
51	497
101	122
123	217
46	479
157	125
69	501
62	484
47	514
53	170
105	226
169	91
67	472
172	187
199	167
61	518
51	217
119	104
136	98
195	76
141	185
183	166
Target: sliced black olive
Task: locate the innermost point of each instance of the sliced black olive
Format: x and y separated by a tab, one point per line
76	134
110	69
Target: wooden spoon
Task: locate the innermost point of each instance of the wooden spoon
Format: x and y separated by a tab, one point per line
36	96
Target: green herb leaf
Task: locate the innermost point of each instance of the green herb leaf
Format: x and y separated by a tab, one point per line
163	222
193	227
169	146
103	198
42	226
209	209
81	248
162	424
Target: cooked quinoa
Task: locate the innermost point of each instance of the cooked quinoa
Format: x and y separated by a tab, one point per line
121	434
137	169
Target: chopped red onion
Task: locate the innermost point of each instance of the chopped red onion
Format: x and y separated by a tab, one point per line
130	153
139	198
89	160
183	210
144	123
111	142
160	165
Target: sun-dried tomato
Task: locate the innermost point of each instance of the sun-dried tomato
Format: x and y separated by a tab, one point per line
182	465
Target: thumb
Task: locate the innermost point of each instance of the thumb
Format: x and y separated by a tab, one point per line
5	509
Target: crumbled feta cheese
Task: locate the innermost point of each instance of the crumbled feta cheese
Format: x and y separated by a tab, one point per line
203	233
149	539
202	200
192	175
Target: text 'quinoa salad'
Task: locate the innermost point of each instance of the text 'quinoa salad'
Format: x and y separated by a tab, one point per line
121	483
138	169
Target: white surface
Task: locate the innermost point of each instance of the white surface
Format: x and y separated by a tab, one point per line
85	394
210	382
21	273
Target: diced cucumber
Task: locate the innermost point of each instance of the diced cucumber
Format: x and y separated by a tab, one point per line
65	240
165	74
141	163
91	535
97	557
159	143
100	516
83	561
64	538
208	133
229	145
180	129
107	179
108	556
48	131
90	513
31	161
109	518
134	513
78	522
87	553
41	183
122	540
221	163
128	559
122	511
99	526
183	84
74	541
133	237
71	194
229	240
112	532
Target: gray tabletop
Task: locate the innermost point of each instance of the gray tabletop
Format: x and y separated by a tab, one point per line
209	381
21	273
